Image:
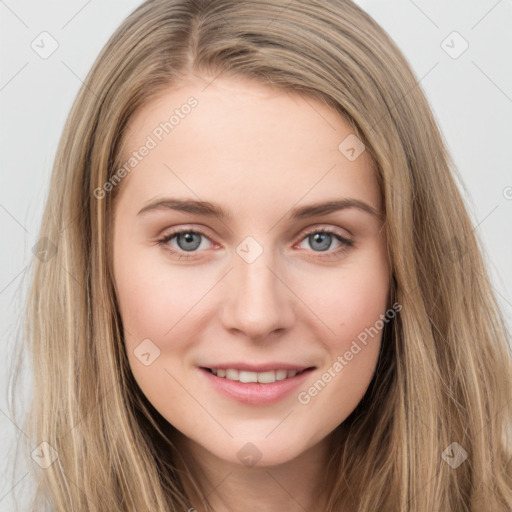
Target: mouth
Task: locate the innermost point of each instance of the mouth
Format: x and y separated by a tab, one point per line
261	377
245	385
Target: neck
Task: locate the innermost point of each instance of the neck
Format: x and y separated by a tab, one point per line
295	485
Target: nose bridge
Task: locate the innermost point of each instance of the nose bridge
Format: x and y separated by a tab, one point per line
257	302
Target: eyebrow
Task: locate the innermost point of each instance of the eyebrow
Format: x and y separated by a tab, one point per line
213	210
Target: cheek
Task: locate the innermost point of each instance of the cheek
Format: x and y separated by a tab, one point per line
153	296
156	306
353	311
352	304
349	299
149	303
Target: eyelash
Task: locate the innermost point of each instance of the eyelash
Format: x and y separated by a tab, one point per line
346	243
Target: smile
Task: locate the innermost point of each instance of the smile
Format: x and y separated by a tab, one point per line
254	388
267	377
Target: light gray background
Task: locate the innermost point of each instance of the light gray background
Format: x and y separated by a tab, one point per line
471	97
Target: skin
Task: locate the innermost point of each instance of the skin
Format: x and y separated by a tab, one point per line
258	152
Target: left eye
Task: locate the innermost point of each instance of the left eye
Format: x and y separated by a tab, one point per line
189	241
322	239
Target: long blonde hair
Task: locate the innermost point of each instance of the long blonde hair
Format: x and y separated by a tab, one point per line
445	370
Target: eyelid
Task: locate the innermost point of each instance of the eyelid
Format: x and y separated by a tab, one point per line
329	228
185	228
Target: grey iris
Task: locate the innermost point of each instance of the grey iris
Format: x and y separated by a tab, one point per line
189	244
324	238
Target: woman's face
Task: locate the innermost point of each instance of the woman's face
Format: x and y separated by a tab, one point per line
278	282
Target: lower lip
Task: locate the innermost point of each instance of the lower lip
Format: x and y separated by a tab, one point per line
255	393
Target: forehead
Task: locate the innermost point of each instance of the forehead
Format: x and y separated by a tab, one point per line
243	138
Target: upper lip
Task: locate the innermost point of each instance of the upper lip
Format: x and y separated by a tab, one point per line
257	367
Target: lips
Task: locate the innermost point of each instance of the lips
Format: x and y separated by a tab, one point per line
245	384
264	367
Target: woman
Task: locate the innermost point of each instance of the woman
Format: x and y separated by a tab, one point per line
251	370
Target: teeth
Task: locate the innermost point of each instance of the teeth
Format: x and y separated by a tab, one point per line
267	377
261	377
244	376
232	374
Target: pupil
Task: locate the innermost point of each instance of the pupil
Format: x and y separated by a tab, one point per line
318	237
188	243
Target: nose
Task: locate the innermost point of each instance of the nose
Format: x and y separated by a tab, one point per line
259	301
